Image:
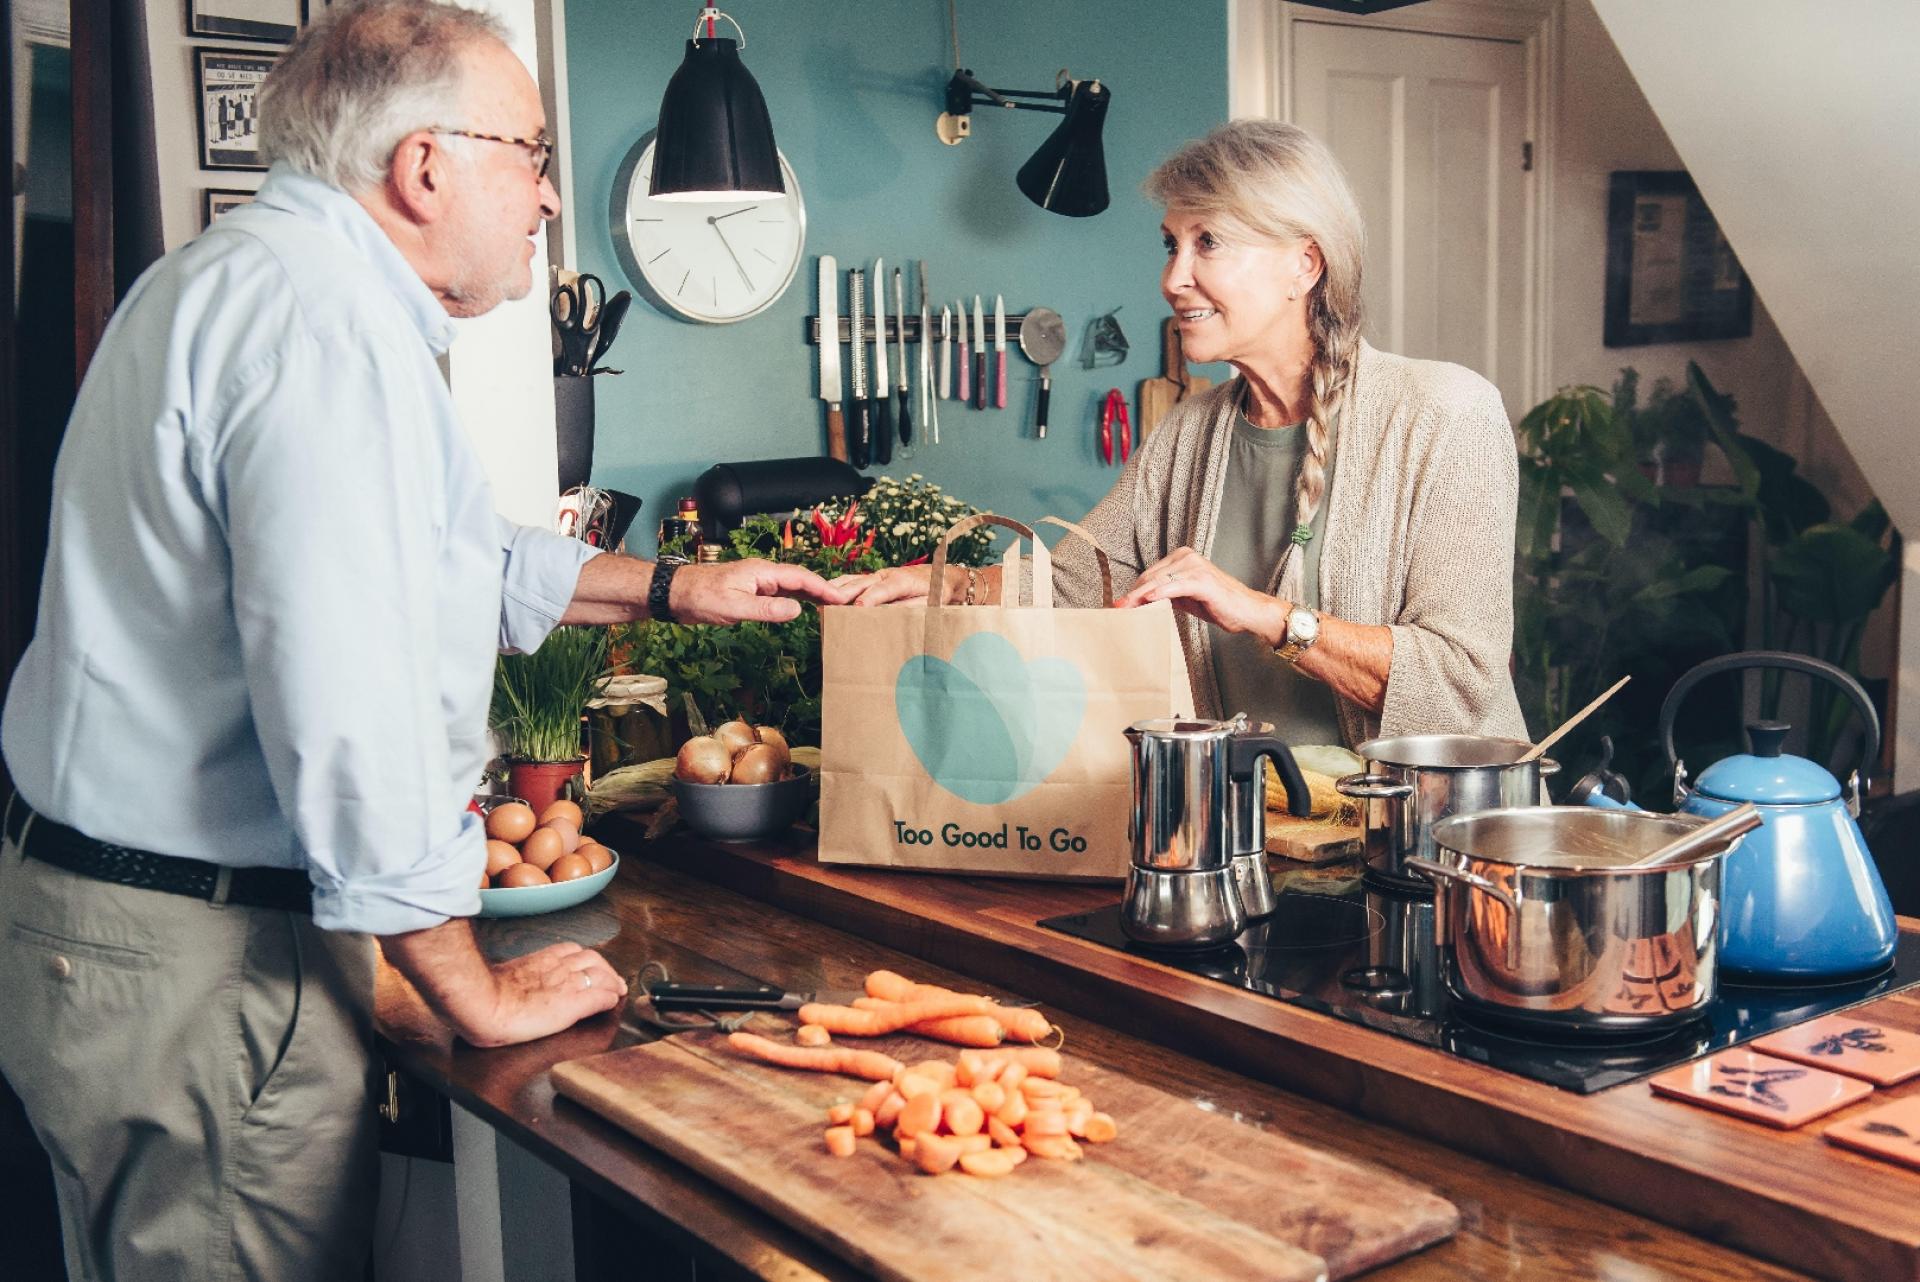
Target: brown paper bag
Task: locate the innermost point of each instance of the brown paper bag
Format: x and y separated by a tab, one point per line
989	739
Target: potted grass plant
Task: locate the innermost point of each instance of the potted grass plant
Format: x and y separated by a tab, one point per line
538	701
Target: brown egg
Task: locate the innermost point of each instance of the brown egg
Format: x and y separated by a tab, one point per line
564	808
500	856
570	868
511	822
596	855
569	832
521	874
542	847
762	763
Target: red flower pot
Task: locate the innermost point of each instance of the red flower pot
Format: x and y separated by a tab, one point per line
540	783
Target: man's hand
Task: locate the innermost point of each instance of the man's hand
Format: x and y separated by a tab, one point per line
748	592
508	1002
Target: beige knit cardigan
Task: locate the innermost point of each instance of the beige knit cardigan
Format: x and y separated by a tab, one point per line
1419	536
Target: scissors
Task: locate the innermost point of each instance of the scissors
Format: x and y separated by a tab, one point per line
576	314
1116	407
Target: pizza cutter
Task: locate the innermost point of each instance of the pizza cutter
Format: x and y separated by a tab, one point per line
1043	336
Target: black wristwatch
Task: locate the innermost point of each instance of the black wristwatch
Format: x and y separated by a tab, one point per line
658	591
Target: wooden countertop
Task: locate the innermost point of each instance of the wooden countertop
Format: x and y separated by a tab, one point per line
1512	1226
1787	1196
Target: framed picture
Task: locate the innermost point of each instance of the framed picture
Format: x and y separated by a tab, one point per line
273	21
215	201
226	82
1671	275
312	11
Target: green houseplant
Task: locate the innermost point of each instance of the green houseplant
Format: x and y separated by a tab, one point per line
538	701
1820	579
1613	574
769	674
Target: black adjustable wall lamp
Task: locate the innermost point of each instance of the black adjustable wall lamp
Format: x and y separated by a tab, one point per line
1068	175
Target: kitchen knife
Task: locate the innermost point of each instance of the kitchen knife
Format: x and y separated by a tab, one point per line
979	356
966	380
860	423
829	345
1000	352
677	997
882	445
929	407
946	352
610	318
900	368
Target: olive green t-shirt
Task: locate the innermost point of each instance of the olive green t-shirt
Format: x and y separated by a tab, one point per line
1255	523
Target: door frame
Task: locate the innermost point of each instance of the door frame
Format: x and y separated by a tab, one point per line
1260	40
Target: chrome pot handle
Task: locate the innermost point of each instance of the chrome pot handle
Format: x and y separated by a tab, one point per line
1372	787
1447	872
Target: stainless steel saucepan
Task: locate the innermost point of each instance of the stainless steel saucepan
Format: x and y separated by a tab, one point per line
1539	918
1412	782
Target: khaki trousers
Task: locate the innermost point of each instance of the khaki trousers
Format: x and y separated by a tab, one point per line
201	1077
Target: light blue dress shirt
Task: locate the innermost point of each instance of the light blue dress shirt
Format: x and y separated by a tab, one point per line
276	579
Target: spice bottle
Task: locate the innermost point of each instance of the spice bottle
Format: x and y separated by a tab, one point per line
679	535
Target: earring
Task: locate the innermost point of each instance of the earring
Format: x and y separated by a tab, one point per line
1292	294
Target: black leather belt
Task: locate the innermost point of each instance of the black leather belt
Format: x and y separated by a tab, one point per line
285	889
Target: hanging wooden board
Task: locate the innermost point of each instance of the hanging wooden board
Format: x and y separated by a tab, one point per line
1182	1193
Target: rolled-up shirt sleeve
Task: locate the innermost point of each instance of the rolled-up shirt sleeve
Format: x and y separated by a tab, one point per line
327	488
538	573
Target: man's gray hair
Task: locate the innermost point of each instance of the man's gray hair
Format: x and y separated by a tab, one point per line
364	77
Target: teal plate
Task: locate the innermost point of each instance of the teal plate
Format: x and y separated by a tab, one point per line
529	901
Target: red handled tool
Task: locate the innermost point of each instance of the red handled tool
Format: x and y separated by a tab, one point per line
1116	407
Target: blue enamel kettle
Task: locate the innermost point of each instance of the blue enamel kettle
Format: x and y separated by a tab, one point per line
1800	897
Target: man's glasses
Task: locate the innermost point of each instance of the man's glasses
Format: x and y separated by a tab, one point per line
542	146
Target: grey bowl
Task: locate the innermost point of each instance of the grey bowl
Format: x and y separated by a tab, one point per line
744	811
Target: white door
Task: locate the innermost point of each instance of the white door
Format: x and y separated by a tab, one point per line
1431	131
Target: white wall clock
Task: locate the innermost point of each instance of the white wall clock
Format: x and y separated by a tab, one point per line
714	262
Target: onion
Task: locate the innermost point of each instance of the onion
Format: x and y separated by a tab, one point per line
762	763
770	737
703	759
736	735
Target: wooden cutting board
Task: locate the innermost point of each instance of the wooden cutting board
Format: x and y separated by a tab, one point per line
1182	1193
1160	395
1312	841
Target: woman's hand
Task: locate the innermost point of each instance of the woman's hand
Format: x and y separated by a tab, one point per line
1198	587
898	585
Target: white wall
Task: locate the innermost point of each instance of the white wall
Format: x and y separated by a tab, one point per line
1796	121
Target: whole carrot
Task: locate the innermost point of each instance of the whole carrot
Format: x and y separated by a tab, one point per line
1023	1023
963	1030
851	1021
871	1065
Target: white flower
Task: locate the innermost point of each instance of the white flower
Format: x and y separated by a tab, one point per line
901	528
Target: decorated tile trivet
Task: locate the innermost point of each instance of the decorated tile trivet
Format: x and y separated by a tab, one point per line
1847	1043
1760	1088
1891	1131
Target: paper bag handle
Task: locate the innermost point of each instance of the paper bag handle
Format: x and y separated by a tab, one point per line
1040	576
1099	556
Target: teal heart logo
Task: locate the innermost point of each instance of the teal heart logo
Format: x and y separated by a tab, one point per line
989	726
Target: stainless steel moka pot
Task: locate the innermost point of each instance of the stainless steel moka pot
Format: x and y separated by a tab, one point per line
1181	889
1249	834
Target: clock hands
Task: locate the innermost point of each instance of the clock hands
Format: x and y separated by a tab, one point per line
713	221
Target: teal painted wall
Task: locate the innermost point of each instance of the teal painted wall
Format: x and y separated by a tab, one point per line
853	87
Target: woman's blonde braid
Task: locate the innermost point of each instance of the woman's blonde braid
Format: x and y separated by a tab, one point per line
1329	378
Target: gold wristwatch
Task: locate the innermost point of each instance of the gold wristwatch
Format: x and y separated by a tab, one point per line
1303	629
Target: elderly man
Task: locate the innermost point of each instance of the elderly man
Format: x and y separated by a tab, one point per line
255	702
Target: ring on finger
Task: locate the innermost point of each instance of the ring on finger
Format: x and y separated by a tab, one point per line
586	979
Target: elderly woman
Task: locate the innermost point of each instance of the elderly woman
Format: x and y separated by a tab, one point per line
1335	525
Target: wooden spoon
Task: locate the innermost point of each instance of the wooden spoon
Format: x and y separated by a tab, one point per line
1741	819
1538	748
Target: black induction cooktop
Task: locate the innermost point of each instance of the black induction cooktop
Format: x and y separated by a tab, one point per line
1366	955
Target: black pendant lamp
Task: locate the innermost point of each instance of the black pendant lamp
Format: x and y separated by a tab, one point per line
1068	175
715	139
